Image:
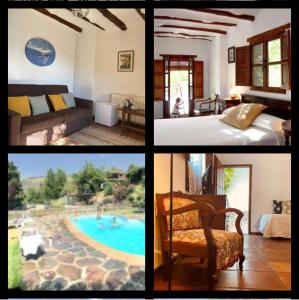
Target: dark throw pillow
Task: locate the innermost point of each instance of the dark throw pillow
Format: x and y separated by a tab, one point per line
277	207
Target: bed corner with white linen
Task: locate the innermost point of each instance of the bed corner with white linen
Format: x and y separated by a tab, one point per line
275	225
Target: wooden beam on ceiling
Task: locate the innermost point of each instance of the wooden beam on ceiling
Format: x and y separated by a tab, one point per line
140	13
194	28
45	12
112	18
184	34
224	13
181	37
87	20
194	21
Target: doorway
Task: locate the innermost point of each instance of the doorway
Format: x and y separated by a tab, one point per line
237	187
179	87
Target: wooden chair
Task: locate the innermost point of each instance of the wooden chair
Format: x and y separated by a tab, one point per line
205	107
193	234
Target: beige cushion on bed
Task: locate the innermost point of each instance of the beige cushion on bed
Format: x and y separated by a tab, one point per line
243	115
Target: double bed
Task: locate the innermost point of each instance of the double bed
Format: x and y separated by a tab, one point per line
209	130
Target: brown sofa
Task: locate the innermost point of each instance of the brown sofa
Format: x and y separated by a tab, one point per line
45	128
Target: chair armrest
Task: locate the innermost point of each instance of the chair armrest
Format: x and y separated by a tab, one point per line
209	101
227	210
14	127
85	103
190	207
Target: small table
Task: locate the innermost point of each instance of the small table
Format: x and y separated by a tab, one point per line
126	119
287	128
227	103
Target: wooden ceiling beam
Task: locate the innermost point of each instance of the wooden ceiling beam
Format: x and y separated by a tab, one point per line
87	20
112	18
184	34
45	12
193	21
140	13
194	28
224	13
181	37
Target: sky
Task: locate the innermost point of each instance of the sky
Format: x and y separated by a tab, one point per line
31	165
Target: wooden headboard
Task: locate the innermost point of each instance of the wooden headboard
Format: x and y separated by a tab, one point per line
276	107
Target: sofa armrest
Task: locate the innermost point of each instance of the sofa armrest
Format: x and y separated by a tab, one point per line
14	127
85	103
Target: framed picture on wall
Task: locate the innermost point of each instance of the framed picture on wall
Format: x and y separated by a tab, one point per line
231	55
125	61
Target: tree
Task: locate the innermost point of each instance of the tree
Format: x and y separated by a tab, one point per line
54	184
137	196
15	189
70	188
108	189
120	192
35	195
135	174
229	173
89	180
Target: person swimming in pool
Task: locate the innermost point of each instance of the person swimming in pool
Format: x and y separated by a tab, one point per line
114	223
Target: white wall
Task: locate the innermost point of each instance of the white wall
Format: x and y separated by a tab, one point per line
161	185
183	46
271	180
24	24
107	79
265	19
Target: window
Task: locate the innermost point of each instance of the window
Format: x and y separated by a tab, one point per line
270	61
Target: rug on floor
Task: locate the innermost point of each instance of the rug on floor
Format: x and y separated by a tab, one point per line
96	136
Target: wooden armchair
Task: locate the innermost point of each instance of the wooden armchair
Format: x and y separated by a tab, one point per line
205	107
193	234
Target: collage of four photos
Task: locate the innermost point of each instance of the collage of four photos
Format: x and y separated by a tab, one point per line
150	149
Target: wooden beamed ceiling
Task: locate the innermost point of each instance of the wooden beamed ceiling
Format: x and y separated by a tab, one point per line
213	24
181	37
184	34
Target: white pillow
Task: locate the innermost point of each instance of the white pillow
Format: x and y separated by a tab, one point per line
268	122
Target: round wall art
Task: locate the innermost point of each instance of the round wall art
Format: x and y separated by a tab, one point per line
40	52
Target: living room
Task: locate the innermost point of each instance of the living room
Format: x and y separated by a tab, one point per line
91	62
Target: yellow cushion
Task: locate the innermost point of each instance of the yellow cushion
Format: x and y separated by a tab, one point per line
57	102
20	105
243	115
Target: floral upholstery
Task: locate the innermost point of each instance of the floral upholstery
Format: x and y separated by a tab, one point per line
229	244
186	220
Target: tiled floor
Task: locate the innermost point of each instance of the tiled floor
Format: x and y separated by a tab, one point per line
267	267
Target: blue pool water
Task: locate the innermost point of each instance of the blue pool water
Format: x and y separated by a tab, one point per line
128	236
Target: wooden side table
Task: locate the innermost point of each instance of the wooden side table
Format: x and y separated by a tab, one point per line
227	103
126	119
287	128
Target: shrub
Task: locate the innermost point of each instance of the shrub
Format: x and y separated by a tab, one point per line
59	203
137	196
14	265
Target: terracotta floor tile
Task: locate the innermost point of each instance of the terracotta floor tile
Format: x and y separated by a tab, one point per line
256	265
280	266
227	279
285	278
260	281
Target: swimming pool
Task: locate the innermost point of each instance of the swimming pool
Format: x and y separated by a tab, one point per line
128	235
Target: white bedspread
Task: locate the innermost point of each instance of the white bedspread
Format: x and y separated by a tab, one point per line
209	130
275	225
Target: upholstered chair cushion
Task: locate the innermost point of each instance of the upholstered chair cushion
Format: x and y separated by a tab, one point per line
229	244
186	220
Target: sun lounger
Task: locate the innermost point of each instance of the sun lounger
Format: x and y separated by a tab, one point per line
31	242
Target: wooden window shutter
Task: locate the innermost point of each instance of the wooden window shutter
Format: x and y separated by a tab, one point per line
198	79
243	70
158	80
286	59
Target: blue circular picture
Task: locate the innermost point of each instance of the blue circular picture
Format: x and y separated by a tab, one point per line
40	52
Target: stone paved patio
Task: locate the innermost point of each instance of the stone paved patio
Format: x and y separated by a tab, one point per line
69	264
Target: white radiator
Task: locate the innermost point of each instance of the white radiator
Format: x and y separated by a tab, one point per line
138	102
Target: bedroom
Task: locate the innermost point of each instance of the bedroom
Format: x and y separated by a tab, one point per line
265	224
210	60
92	64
